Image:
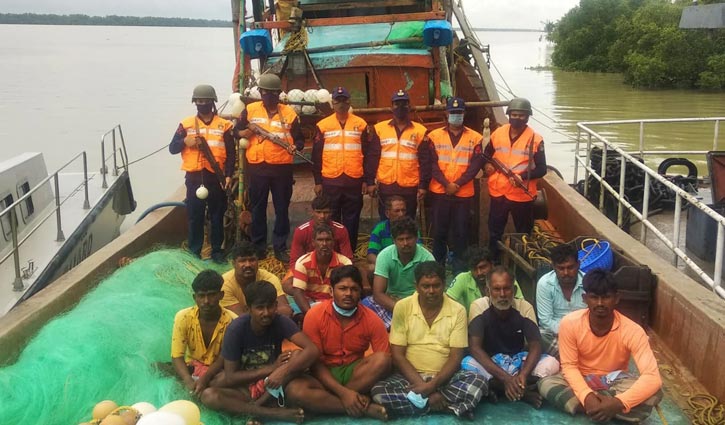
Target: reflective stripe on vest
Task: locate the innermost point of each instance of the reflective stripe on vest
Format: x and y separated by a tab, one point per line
453	162
515	157
342	150
399	157
261	150
192	158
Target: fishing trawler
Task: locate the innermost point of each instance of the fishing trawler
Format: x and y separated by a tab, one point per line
372	48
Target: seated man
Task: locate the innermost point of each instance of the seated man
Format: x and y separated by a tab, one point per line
246	270
558	293
311	275
343	330
302	239
394	269
471	285
498	340
380	236
427	340
196	340
255	368
595	345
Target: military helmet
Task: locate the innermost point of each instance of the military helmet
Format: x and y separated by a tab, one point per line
203	91
269	82
519	104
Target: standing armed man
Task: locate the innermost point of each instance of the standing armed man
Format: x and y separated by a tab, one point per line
209	128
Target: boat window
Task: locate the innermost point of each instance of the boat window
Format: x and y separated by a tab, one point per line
27	208
5	202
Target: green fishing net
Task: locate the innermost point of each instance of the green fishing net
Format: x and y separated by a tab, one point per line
407	30
106	347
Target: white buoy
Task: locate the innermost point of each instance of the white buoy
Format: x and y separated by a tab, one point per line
236	104
254	93
296	95
202	192
243	143
324	96
283	97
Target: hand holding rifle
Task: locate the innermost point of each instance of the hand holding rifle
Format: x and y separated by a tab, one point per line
493	164
266	135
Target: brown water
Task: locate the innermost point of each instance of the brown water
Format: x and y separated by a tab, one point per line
63	86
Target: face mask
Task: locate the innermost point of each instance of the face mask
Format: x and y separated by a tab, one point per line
401	112
270	100
205	109
455	120
343	312
517	123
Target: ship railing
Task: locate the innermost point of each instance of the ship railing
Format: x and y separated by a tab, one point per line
583	159
11	213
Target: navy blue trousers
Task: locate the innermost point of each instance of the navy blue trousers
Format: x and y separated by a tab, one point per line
451	214
259	189
347	203
522	213
196	209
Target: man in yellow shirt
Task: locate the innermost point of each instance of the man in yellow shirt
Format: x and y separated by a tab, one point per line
196	340
428	337
246	270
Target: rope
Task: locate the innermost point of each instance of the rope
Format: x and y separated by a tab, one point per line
706	410
297	41
152	153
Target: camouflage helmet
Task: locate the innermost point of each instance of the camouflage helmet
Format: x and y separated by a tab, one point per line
519	104
203	91
269	82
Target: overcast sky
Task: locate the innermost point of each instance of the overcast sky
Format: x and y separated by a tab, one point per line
481	13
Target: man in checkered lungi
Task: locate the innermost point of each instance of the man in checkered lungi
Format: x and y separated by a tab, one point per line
428	337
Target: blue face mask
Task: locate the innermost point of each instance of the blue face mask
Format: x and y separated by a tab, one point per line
343	312
455	119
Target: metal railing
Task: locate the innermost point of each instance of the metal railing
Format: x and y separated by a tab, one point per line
60	236
627	159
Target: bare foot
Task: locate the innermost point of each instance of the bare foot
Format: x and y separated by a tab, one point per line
376	411
533	398
290	415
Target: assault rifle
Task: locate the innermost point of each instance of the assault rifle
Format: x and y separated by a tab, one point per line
266	135
204	148
500	167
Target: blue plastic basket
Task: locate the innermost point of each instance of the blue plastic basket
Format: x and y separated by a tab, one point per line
597	255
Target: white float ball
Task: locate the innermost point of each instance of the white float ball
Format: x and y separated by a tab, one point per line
311	95
324	96
235	104
161	418
295	95
308	109
283	97
202	192
144	407
243	143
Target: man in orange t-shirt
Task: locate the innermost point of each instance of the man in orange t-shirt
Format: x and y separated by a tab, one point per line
595	345
343	329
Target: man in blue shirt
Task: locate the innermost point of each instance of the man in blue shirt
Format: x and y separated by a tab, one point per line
558	293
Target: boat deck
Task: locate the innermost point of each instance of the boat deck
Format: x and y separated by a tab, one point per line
38	250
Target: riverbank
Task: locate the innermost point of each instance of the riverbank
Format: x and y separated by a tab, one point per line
110	20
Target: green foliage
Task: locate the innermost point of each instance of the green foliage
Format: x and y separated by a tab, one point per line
642	40
111	20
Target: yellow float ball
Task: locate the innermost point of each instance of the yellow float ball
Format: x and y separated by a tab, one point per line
130	416
186	409
113	420
102	409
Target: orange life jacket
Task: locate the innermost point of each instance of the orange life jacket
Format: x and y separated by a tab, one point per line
192	158
342	151
399	157
261	150
517	157
453	162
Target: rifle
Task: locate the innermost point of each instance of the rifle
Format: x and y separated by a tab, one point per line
266	135
498	164
204	148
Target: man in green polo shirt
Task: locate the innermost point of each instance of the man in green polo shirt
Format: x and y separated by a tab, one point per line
394	269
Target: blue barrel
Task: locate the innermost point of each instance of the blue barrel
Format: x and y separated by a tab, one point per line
437	33
256	43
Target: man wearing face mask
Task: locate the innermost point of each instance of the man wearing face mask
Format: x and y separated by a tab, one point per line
521	150
269	165
342	167
205	127
455	161
399	150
